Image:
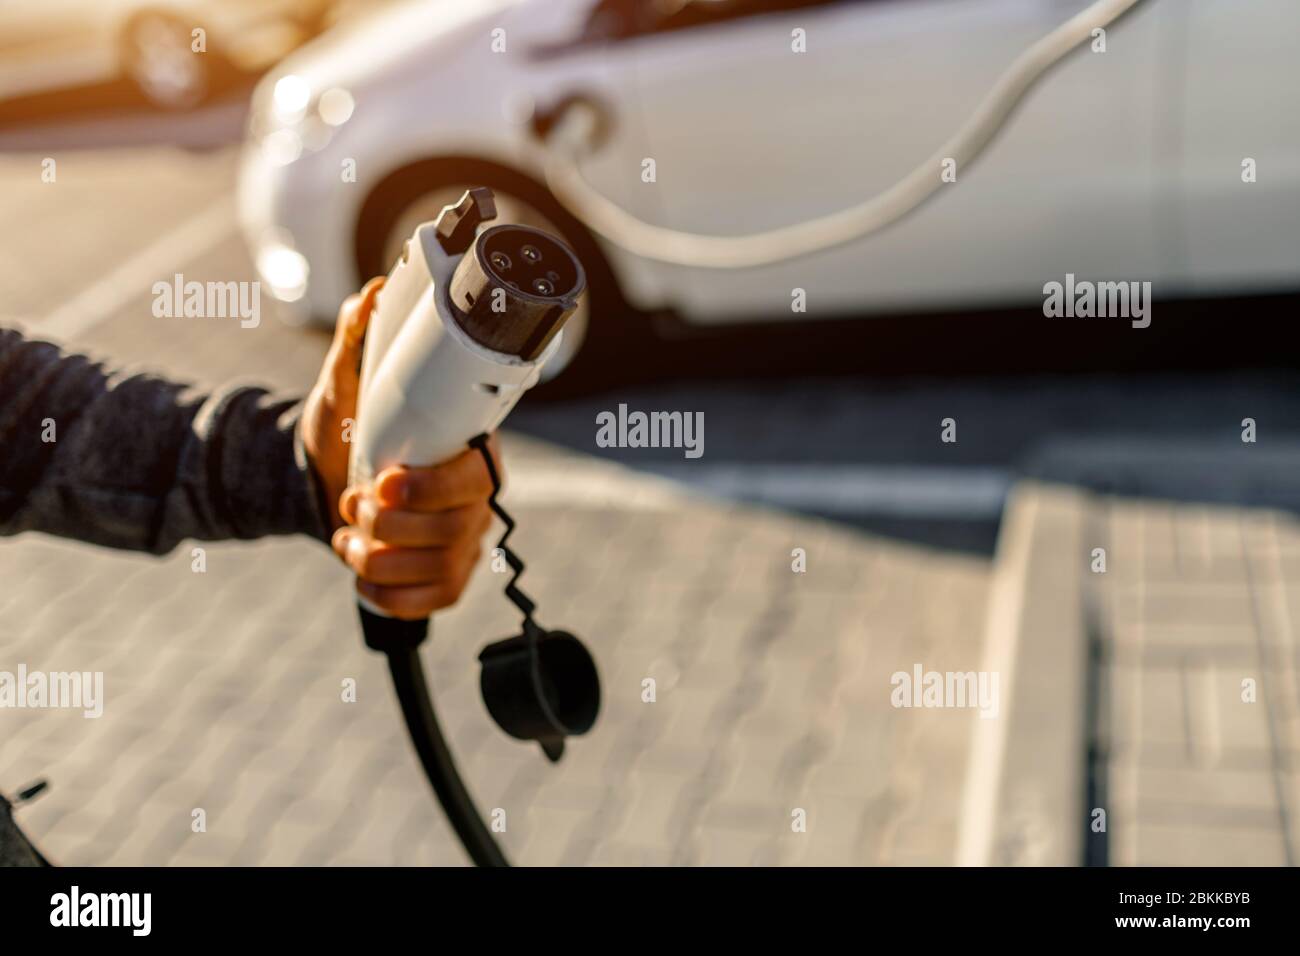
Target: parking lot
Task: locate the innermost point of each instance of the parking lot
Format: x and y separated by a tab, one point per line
227	684
773	687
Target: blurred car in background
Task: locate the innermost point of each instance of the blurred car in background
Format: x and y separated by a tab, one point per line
59	44
1123	165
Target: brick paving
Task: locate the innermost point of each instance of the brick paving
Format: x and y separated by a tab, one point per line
223	693
224	687
1195	603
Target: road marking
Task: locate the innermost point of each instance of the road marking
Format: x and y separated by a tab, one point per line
908	491
589	483
830	489
136	276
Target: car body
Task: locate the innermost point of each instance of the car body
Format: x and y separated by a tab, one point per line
61	44
1125	164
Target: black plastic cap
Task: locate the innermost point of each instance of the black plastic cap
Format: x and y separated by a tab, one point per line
543	688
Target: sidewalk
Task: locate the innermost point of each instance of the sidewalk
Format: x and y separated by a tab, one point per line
1182	719
1200	736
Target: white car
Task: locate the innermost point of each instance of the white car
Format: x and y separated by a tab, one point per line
1127	164
49	45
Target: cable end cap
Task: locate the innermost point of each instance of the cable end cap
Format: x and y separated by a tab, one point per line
541	686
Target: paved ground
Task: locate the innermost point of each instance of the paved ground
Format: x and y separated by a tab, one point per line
1199	731
1151	712
773	688
224	688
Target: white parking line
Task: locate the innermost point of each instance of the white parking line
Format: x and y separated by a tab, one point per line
913	492
134	277
593	485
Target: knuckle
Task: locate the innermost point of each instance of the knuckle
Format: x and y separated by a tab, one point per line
363	563
369	515
371	561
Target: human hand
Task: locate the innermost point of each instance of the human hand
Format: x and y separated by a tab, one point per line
412	536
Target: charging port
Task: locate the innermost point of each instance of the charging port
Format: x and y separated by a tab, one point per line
515	288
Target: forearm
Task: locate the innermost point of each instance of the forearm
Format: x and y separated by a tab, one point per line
141	463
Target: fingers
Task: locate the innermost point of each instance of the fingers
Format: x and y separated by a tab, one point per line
354	315
407	582
381	563
413	537
461	481
410	604
342	365
419	529
348	503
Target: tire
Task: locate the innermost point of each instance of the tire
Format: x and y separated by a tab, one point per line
607	334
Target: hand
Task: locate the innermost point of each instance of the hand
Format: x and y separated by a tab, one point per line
413	536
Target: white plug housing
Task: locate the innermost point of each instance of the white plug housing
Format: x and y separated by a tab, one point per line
427	388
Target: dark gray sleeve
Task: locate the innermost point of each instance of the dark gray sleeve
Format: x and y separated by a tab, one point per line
138	462
15	850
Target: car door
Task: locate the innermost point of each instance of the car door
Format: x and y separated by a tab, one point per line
1238	116
747	133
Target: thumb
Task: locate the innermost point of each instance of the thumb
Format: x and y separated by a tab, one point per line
342	365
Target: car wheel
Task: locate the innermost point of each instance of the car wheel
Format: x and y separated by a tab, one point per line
157	56
603	327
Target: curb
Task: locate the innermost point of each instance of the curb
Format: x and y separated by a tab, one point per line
1023	803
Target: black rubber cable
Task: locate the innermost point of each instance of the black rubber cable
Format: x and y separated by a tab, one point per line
422	723
400	642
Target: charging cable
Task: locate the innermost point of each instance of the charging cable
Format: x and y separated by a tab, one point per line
577	132
460	331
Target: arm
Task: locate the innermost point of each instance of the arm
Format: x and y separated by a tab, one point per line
138	462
